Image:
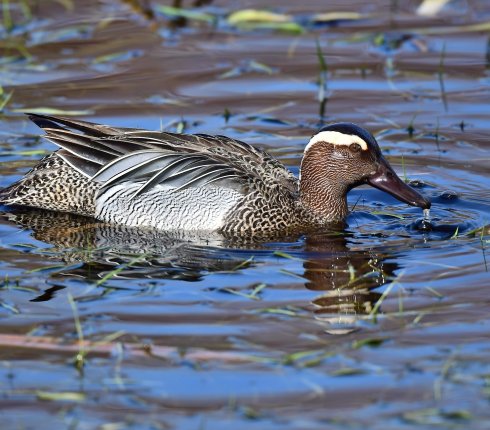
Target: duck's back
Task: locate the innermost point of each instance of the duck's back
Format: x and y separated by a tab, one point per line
164	180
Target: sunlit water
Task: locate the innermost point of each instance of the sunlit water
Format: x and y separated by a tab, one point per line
382	324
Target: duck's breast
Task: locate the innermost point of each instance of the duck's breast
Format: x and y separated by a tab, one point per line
162	207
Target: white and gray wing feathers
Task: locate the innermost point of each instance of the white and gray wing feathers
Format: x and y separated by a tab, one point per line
112	156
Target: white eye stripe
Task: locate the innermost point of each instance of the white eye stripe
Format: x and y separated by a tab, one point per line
336	138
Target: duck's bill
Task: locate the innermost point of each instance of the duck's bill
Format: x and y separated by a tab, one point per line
387	180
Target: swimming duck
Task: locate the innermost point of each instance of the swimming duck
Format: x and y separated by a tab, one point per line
200	182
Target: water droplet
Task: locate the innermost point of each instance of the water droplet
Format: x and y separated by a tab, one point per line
423	224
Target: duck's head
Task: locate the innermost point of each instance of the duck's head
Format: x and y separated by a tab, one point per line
343	156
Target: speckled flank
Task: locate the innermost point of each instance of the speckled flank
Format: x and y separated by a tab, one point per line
266	209
53	184
200	208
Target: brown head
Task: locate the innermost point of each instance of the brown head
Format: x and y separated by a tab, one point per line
343	156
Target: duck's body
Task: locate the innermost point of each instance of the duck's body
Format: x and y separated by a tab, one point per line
198	182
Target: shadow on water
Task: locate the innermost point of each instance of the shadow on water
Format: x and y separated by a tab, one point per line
344	277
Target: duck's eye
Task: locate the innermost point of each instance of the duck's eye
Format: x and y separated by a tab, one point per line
355	147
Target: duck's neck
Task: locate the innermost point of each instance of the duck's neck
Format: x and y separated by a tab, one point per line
321	192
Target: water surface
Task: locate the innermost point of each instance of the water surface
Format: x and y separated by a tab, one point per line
383	324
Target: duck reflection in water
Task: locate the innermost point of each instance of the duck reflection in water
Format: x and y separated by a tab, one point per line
344	277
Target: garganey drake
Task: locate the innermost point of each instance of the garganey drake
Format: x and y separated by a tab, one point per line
197	182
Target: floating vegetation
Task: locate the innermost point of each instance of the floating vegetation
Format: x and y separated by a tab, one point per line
141	8
390	214
253	295
246	263
253	19
288	311
227	115
181	126
53	111
431	7
117	57
435	417
348	371
85	347
157	99
405	177
336	16
411	127
375	310
255	16
322	80
4	98
26	153
61	396
286	255
79	359
434	292
7	17
119	269
177	12
479	231
9	307
440	74
307	358
455	235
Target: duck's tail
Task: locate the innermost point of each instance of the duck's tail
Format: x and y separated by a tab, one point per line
10	195
53	184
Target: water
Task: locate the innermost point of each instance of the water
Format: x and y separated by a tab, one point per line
381	324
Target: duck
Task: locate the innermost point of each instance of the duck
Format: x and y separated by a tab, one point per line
200	182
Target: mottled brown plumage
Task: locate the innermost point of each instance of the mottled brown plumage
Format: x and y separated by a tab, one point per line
53	184
201	182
